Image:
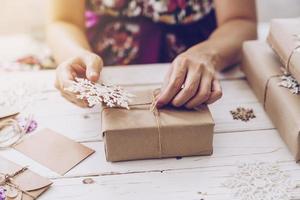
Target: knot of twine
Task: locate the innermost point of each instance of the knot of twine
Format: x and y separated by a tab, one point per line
156	114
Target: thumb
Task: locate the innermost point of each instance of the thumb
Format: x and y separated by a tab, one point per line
94	66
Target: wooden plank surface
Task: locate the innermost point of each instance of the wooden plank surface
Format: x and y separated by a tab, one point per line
229	149
234	142
194	184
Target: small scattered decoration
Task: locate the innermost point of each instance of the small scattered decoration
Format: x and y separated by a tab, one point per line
289	82
94	93
88	181
244	114
261	181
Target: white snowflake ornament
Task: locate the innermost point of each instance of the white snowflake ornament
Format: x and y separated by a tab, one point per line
95	93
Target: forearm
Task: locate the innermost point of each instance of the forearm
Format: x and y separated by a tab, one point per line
226	41
66	40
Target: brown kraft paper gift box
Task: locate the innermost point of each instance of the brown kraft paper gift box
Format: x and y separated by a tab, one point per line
263	72
284	41
140	134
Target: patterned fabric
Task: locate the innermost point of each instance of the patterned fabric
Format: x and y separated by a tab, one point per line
147	31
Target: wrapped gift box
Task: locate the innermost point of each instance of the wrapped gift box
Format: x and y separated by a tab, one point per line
263	72
140	133
284	38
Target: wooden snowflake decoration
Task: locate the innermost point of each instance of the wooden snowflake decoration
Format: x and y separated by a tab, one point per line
95	93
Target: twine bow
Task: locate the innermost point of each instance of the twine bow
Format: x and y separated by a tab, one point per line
13	137
287	66
7	179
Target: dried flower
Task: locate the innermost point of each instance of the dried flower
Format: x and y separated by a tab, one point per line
244	114
260	181
289	82
2	193
94	93
28	124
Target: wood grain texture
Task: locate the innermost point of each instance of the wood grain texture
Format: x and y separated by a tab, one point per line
234	142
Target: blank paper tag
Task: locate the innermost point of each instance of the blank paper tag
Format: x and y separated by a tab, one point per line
54	150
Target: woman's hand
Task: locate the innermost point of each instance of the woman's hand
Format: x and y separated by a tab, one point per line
191	81
87	65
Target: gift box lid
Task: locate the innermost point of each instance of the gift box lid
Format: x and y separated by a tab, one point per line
140	115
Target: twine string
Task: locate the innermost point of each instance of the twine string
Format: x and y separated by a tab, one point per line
10	138
267	87
156	113
287	67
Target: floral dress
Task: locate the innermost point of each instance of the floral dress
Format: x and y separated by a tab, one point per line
147	31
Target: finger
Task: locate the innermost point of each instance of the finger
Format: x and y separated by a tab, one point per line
64	73
94	65
78	70
203	92
190	88
167	78
216	92
177	78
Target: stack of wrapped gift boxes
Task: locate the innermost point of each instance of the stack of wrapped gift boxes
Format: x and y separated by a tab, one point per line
273	71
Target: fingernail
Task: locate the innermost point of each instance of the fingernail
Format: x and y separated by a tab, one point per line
93	74
159	105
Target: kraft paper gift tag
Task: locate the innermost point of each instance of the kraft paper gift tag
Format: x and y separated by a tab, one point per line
28	181
54	151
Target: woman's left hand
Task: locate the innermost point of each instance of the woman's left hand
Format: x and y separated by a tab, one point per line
191	81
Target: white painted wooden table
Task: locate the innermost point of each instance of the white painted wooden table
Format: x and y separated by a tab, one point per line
234	142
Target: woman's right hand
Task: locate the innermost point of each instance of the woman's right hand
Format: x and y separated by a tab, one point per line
88	65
